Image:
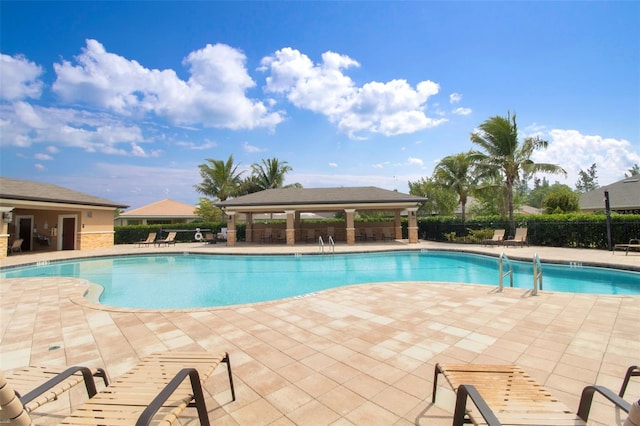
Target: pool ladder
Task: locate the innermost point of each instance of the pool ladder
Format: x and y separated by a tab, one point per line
321	244
503	274
537	273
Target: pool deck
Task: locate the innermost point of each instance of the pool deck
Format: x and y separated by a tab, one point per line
357	355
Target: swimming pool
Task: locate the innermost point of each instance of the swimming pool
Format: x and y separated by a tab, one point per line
176	281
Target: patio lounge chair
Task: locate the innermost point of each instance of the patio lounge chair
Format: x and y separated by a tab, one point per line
155	389
267	235
311	235
369	234
634	243
171	239
519	239
150	240
507	392
37	385
209	238
498	236
387	234
17	246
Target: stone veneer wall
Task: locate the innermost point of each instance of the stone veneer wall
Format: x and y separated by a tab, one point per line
4	246
95	240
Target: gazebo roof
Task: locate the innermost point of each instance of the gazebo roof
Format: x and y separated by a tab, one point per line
17	190
321	199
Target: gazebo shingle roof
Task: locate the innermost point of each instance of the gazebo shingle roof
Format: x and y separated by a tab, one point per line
320	196
623	195
17	189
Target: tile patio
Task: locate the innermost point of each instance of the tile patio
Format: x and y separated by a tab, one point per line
359	355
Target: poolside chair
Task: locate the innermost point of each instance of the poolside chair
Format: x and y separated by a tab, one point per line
150	240
171	239
498	236
311	235
267	235
35	385
222	235
17	246
387	234
369	234
209	238
159	388
519	239
634	243
507	392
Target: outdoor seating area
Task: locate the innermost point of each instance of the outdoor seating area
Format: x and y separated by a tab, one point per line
158	388
168	240
634	244
519	239
498	237
506	394
362	354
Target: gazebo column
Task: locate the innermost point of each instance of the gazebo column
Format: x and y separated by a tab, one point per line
413	225
248	230
291	227
398	225
351	229
297	224
231	229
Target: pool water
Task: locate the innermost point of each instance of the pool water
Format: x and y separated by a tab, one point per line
179	281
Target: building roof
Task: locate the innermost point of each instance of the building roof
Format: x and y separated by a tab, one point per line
25	190
322	198
624	196
162	208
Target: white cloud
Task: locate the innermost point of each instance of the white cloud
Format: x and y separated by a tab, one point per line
197	146
25	124
43	157
390	108
20	78
574	151
214	95
247	147
462	111
39	167
415	161
454	98
333	164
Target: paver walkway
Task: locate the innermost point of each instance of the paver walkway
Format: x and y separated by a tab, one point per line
359	355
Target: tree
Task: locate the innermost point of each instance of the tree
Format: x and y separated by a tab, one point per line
587	180
441	201
207	211
458	173
561	199
220	179
504	156
634	171
538	193
270	174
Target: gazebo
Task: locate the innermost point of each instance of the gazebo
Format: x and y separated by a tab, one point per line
294	201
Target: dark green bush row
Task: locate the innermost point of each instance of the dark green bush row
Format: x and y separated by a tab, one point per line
557	230
135	233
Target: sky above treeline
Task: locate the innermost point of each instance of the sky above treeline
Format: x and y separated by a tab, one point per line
124	100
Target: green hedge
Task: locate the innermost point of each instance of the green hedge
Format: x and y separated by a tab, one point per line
555	230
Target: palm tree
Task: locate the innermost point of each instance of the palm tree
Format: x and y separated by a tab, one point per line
457	172
221	179
498	138
270	174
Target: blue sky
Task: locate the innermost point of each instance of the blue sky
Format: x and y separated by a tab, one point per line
124	100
